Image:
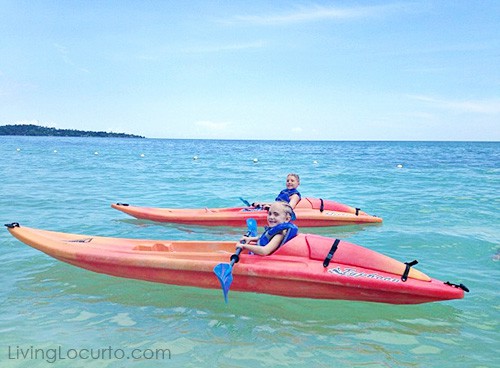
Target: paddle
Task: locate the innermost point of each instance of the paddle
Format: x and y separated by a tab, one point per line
224	271
246	202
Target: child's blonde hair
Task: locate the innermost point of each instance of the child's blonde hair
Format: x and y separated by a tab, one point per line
286	208
296	176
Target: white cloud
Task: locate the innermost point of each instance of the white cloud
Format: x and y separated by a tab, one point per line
297	130
229	47
319	13
212	126
63	51
490	106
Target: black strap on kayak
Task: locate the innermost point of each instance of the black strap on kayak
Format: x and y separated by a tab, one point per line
322	205
459	286
12	225
357	211
333	249
122	204
407	269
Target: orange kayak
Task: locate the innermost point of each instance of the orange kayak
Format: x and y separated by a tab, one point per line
300	268
310	212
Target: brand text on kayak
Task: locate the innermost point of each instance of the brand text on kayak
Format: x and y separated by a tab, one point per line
351	272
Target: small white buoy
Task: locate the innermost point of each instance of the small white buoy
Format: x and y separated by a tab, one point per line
142	154
399	166
55	151
96	153
18	149
255	160
315	162
195	157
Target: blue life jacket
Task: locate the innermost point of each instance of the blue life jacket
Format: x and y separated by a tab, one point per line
269	232
285	195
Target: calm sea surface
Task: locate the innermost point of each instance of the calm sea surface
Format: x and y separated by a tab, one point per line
441	207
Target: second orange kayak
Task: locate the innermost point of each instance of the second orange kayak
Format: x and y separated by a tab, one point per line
310	212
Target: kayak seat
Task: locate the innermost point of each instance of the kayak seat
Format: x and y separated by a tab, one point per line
157	247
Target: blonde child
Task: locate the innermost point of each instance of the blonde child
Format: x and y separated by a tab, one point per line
278	231
288	195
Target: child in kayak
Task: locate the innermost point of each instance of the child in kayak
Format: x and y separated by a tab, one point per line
289	195
277	233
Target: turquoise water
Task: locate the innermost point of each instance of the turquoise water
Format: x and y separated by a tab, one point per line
440	207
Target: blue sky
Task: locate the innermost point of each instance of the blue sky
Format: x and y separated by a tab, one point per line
312	70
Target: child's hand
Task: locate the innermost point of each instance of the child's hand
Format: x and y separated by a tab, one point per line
240	246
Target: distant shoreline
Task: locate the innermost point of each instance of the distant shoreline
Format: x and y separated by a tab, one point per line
40	131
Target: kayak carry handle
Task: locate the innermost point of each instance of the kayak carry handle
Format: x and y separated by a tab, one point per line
404	277
458	286
12	225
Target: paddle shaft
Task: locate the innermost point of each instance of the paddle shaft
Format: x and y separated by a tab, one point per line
252	231
235	258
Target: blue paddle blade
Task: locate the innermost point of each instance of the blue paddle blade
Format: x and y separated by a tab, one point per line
252	227
225	276
246	202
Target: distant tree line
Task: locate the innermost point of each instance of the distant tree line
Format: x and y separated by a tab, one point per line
36	130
